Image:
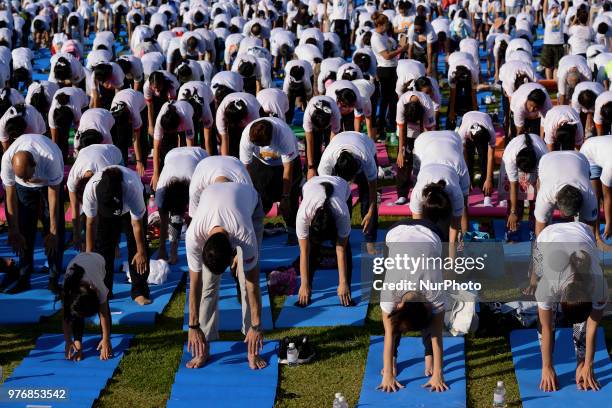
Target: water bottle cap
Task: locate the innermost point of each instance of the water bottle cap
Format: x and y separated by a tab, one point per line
500	383
291	345
341	398
338	394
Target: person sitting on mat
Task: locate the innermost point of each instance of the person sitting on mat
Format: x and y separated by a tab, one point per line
83	295
569	277
404	311
172	196
270	153
352	156
520	160
563	129
324	216
564	183
478	135
225	231
597	151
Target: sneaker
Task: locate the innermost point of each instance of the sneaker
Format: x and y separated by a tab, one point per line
282	350
305	351
401	201
381	173
503	203
20	285
487	202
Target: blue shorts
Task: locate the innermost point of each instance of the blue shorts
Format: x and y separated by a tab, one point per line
595	172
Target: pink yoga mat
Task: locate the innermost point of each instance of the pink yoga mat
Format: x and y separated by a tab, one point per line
387	206
381	155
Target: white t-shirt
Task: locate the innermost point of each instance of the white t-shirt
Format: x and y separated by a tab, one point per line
232	206
252	106
229	79
363	107
97	119
432	173
78	101
581	37
274	100
151	62
95	271
408	70
361	148
457	59
315	102
33	119
49	170
137	70
381	43
282	149
420	241
204	95
603	99
556	243
597	151
428	120
476	118
49	89
595	87
180	163
22	58
132	188
92	158
306	79
185	113
173	86
554	29
514	147
519	98
558	116
313	198
134	101
571	63
510	70
556	170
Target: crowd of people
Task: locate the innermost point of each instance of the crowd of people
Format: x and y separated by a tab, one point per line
204	93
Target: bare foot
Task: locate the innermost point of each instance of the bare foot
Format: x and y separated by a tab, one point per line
256	362
428	366
382	371
196	362
141	300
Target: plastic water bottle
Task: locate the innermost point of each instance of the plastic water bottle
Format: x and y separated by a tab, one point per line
292	355
342	403
499	396
336	398
151	202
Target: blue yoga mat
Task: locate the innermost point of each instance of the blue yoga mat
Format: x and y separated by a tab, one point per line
230	310
226	380
28	307
46	368
410	367
527	364
325	308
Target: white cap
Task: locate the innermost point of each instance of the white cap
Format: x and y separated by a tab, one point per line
500	383
291	345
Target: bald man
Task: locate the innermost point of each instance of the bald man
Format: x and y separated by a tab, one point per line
32	173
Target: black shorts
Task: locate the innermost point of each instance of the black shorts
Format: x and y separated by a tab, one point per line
551	54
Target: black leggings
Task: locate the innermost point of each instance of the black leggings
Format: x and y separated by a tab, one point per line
387	76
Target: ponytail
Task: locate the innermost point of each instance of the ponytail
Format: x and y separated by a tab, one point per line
323	224
436	202
526	159
80	300
576	302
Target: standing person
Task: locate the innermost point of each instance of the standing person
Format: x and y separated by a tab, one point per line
172	196
269	151
233	115
33	174
84	294
159	88
113	202
226	230
387	53
321	122
324	216
90	160
568	276
20	119
529	104
65	114
554	40
128	110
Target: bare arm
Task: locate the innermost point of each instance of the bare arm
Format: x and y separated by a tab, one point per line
90	234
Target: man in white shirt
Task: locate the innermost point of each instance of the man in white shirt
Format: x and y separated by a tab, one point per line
33	173
269	151
226	230
113	202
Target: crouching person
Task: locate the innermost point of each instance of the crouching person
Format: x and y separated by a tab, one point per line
84	295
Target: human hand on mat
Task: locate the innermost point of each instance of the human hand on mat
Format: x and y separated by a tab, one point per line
140	260
304	294
105	348
344	293
254	341
17	242
74	351
389	384
512	223
585	378
50	244
436	383
198	347
549	381
487	187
